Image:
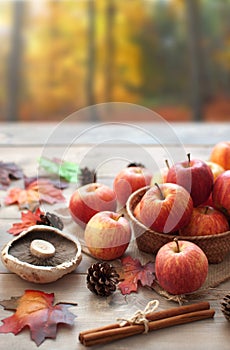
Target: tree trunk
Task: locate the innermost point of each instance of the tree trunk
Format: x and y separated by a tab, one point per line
90	81
110	48
14	63
198	78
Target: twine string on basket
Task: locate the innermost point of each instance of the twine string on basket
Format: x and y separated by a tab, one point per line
139	316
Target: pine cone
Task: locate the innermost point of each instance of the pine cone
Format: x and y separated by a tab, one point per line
225	306
87	176
50	219
102	279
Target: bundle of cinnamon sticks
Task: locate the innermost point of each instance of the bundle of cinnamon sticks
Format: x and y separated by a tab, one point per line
157	320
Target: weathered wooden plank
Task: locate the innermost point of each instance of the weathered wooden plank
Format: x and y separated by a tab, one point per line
92	311
107	150
143	133
106	159
107	164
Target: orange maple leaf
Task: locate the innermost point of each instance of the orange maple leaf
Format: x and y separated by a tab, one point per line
41	190
28	218
35	309
134	273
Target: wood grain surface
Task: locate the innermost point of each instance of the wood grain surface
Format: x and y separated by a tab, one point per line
24	144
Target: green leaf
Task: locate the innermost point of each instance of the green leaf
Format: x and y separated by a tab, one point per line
66	170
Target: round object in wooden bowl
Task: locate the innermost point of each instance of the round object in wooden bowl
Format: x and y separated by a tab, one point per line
216	247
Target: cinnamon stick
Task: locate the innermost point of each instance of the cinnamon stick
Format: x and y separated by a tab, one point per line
156	315
157	320
120	333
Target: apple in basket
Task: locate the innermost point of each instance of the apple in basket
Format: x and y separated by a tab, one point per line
221	193
107	235
90	199
195	176
215	168
220	154
165	208
205	220
136	211
129	180
181	267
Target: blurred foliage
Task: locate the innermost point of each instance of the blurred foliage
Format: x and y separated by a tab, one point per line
75	53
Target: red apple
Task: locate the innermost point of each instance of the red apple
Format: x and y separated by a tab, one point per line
205	220
136	211
181	267
221	193
215	168
165	208
88	200
216	171
220	154
107	235
129	180
195	176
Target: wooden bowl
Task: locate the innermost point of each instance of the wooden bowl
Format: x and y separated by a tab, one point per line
216	247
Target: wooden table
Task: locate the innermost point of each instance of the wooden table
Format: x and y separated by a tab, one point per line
107	148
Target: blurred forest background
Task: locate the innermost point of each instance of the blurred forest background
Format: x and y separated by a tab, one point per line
172	56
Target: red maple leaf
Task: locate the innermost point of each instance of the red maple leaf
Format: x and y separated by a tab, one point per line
35	309
134	273
28	218
41	190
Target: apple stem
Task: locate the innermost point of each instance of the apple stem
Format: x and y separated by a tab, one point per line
167	163
161	193
118	217
177	245
189	158
206	209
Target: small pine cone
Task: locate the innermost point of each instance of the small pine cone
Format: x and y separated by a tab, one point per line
87	176
225	306
50	219
133	164
102	279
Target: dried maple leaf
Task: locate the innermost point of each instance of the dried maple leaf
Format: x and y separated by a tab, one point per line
9	171
41	190
35	309
134	273
38	217
28	218
58	183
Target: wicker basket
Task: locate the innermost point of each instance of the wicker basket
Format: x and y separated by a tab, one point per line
216	247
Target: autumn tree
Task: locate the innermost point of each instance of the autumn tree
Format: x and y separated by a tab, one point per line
56	58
